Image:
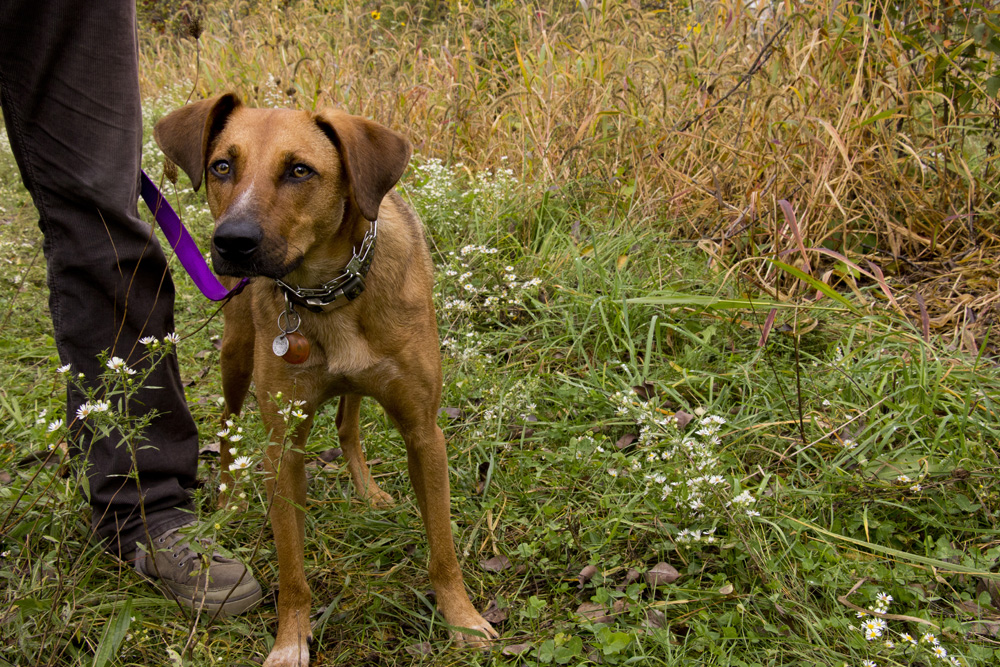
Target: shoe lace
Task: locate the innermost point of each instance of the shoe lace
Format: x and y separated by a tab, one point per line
180	548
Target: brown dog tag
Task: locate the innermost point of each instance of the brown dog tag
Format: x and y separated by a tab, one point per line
298	348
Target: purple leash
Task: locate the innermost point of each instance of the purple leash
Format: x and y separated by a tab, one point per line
185	247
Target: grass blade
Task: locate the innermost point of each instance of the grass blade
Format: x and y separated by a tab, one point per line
114	634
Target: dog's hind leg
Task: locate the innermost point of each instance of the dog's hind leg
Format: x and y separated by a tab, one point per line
349	432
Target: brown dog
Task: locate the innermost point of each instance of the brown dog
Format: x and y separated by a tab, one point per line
295	196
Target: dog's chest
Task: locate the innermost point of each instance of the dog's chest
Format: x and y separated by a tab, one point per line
340	348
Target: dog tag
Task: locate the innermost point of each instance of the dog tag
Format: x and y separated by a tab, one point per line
298	348
280	345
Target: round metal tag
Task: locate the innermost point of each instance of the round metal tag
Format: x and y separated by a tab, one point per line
280	345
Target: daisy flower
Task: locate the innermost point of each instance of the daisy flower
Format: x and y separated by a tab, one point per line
872	626
241	463
116	363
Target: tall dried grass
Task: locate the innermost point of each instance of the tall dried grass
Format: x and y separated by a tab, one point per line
873	123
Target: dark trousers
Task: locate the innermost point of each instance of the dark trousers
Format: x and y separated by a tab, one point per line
70	94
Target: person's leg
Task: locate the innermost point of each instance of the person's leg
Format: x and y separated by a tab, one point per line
70	94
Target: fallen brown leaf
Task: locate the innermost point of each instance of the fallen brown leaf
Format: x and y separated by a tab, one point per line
483	473
683	418
515	649
419	650
661	573
452	413
496	564
210	448
595	613
626	440
330	455
494	614
655	619
645	391
985	628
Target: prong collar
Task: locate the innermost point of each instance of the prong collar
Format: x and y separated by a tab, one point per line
343	289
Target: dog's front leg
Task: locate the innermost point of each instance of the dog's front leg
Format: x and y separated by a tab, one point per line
286	492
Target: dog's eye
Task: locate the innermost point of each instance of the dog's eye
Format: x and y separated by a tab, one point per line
220	167
301	171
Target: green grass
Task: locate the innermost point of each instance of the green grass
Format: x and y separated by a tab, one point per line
535	383
614	325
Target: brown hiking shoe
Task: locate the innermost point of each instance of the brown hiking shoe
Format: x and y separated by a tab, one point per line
199	580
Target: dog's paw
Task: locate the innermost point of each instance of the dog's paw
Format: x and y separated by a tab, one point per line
476	632
373	494
292	655
379	499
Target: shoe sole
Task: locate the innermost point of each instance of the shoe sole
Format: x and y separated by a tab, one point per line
226	605
240	599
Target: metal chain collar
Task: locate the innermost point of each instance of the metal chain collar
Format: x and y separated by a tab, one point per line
343	289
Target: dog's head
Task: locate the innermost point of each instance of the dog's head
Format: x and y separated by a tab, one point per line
281	184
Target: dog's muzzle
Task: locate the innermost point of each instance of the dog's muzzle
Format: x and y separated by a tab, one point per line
238	241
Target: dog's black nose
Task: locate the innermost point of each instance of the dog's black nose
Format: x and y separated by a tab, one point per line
238	240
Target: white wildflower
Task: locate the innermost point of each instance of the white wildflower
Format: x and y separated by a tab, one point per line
241	463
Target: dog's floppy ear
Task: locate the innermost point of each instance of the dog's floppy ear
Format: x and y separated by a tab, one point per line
374	156
185	135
